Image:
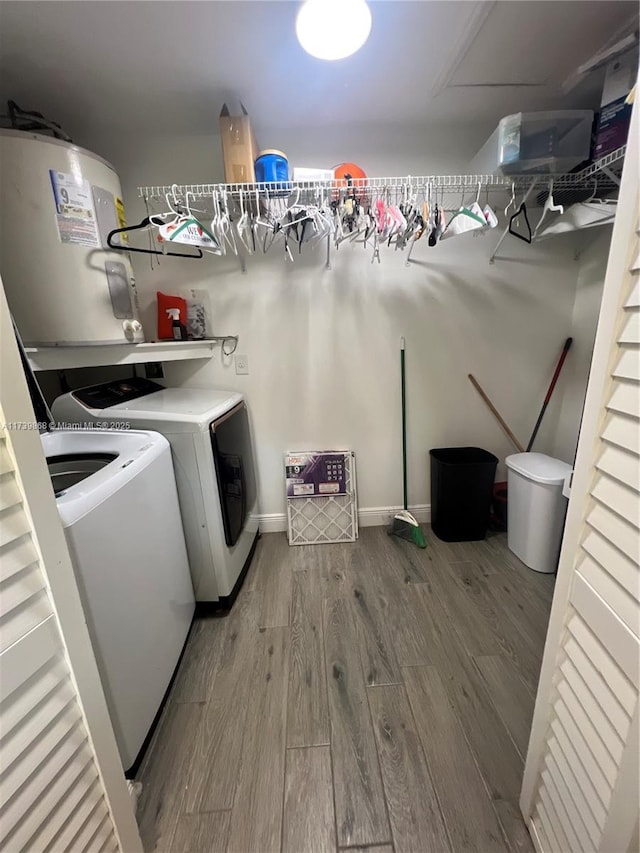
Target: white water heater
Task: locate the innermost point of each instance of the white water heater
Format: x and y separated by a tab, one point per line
64	286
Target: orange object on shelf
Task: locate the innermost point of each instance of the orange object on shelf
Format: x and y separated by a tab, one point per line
351	169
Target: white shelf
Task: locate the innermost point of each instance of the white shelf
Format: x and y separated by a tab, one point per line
102	355
451	182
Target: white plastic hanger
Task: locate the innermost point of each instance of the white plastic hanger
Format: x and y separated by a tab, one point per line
160	219
226	224
465	219
189	230
549	207
243	227
512	202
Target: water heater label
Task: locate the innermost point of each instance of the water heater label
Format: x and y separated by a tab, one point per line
75	214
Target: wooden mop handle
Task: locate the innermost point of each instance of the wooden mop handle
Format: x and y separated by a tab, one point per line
496	413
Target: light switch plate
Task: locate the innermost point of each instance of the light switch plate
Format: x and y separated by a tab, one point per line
242	365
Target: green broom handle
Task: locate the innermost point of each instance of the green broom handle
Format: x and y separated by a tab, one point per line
404	425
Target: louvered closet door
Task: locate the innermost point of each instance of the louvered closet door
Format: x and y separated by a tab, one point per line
585	793
51	796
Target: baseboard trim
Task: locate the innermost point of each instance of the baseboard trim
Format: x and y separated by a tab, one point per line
379	516
376	516
272	522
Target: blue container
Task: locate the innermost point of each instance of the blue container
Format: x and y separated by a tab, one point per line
272	166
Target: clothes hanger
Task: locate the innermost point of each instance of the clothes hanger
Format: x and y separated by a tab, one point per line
216	224
146	223
192	219
188	229
227	229
521	210
549	207
320	217
433	234
242	225
594	212
262	222
174	210
469	211
512	201
282	217
419	225
475	206
471	217
488	213
174	206
376	247
424	215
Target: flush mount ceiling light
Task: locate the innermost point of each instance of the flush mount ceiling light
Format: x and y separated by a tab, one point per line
333	29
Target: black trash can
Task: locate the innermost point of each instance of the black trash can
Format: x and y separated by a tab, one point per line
461	491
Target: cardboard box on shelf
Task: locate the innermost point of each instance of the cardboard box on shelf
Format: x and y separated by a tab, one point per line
239	147
615	114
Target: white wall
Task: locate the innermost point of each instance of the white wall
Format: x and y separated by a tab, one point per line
572	385
323	345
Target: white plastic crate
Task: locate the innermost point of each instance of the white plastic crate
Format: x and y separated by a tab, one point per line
325	518
540	142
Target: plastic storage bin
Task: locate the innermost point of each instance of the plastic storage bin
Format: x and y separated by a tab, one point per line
271	166
461	490
543	142
537	508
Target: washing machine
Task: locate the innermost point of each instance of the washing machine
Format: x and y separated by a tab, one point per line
118	504
213	461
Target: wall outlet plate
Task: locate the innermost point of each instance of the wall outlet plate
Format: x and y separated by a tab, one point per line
242	365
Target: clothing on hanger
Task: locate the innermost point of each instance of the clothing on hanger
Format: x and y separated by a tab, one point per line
465	219
578	217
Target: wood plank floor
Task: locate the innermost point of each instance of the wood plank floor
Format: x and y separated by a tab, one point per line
366	696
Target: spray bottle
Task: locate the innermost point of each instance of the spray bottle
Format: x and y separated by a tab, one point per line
178	329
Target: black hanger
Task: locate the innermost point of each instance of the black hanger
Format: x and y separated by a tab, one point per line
433	236
521	210
144	224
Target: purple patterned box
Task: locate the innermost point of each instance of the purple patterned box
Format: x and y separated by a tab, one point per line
316	474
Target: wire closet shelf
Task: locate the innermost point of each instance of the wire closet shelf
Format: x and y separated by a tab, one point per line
600	171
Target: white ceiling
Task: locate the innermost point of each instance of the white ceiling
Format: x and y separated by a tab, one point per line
161	65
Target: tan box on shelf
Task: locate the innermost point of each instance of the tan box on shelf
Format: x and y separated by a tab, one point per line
239	147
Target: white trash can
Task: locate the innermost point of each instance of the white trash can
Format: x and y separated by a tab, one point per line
536	508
